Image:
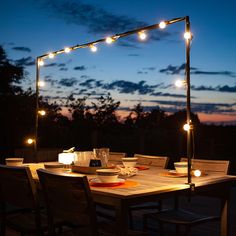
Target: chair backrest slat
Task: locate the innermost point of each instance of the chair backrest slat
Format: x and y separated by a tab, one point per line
158	161
210	166
17	187
68	197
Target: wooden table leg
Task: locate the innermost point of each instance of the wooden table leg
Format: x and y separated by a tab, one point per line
122	219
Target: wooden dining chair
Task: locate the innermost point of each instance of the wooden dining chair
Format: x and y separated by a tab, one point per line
68	198
116	157
20	206
187	218
157	161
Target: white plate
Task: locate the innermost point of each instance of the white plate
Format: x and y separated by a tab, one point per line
96	180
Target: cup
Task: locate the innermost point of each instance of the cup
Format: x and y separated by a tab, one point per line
107	175
83	158
129	161
101	154
181	167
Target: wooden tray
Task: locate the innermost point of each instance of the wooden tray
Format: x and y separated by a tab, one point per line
87	169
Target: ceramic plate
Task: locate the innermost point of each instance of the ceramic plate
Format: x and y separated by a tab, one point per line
97	183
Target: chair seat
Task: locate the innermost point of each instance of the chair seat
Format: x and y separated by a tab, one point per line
181	217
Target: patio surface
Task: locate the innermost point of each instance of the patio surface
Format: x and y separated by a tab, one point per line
203	205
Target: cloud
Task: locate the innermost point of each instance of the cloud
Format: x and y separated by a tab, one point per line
176	70
51	64
25	61
173	70
81	68
23	49
68	82
63	69
160	94
226	73
96	19
209	108
89	83
224	88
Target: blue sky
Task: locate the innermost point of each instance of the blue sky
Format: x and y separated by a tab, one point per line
131	70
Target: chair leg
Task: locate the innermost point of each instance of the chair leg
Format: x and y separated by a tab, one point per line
145	226
187	231
161	229
131	222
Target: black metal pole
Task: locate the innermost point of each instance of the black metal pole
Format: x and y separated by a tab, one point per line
36	111
188	106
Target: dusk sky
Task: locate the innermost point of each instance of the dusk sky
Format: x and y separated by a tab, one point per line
133	71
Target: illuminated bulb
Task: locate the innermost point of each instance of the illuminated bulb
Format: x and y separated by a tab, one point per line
42	112
197	173
186	127
51	55
93	48
67	50
179	83
29	140
187	35
41	83
109	40
162	25
41	62
142	35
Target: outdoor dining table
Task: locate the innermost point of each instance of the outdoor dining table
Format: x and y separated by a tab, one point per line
151	185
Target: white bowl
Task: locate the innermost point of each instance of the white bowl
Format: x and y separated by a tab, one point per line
14	161
129	161
108	175
181	167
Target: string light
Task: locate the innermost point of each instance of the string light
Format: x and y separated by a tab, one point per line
186	127
67	50
51	55
42	112
109	40
41	62
41	83
180	83
162	25
187	35
93	48
197	173
29	141
142	35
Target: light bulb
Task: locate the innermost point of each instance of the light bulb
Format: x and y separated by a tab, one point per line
187	35
109	40
42	112
29	140
142	35
179	83
41	83
41	62
186	127
93	48
197	173
51	55
67	50
162	25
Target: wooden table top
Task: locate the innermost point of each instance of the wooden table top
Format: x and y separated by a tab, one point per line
149	181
